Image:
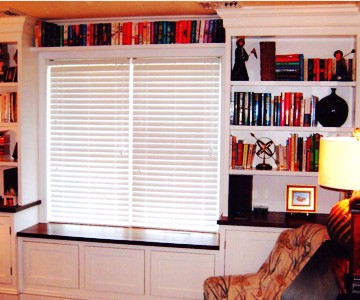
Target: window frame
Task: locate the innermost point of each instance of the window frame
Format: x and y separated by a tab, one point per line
45	55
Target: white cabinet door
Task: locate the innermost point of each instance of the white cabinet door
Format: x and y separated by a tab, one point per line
51	264
246	250
5	251
115	270
180	275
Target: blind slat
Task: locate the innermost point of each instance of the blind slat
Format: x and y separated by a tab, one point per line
135	142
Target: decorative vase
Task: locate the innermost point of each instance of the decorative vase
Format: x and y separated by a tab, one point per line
332	110
339	224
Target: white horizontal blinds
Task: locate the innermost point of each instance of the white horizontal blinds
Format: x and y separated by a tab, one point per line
176	120
88	142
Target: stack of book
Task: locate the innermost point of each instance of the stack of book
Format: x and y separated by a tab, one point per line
299	154
8	107
242	154
129	33
289	67
5	144
261	109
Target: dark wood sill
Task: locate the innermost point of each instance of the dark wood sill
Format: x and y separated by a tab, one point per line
122	235
275	219
15	209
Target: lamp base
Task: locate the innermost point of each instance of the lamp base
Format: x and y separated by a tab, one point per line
263	166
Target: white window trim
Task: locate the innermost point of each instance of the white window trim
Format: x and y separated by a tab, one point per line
129	51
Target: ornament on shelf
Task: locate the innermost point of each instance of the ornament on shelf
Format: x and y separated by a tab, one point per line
332	110
239	71
266	150
342	73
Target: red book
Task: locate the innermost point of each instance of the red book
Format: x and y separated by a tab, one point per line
287	108
127	32
141	32
177	32
316	69
239	159
37	31
287	57
188	36
233	152
282	109
297	111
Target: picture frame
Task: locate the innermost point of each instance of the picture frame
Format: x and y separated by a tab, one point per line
301	198
11	74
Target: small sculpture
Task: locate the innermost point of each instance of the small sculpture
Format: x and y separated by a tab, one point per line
341	67
239	72
266	150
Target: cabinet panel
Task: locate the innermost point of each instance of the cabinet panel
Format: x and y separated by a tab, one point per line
180	274
247	250
5	251
115	270
47	264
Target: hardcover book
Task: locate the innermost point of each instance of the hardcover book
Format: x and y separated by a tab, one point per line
267	61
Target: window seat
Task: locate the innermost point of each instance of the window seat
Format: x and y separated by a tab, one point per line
122	235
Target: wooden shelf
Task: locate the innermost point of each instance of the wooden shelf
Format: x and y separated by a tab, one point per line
275	219
295	83
293	129
272	173
128	47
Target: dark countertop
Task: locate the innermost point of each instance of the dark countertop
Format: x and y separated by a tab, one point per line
15	209
275	219
122	235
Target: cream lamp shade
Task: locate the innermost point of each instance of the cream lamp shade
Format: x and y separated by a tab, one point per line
339	163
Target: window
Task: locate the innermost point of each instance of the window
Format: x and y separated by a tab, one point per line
134	142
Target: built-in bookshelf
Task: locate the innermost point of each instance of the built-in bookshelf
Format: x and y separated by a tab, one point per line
290	68
48	34
8	112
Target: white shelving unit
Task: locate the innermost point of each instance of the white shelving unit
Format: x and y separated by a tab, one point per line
315	32
17	33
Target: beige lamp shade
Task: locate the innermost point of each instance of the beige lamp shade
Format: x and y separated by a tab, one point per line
339	163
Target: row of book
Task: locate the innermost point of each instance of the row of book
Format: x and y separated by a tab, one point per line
294	67
297	153
261	109
8	107
49	34
242	154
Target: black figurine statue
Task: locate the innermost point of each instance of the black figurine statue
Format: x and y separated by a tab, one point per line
239	72
341	68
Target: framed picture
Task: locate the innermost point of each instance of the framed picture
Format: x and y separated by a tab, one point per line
11	74
301	198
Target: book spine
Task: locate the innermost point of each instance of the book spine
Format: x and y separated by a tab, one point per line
255	108
233	152
268	111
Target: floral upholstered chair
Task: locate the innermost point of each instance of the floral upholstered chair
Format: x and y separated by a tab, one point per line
293	249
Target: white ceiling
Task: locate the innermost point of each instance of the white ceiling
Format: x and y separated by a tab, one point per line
104	9
112	9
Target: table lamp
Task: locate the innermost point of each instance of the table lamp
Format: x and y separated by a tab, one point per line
339	167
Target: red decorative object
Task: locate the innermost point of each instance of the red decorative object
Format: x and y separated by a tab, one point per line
353	282
339	223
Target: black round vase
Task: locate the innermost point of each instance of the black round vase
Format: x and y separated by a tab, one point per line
332	110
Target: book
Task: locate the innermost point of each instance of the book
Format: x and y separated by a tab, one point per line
267	61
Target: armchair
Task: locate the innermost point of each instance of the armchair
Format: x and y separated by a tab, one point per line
293	249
